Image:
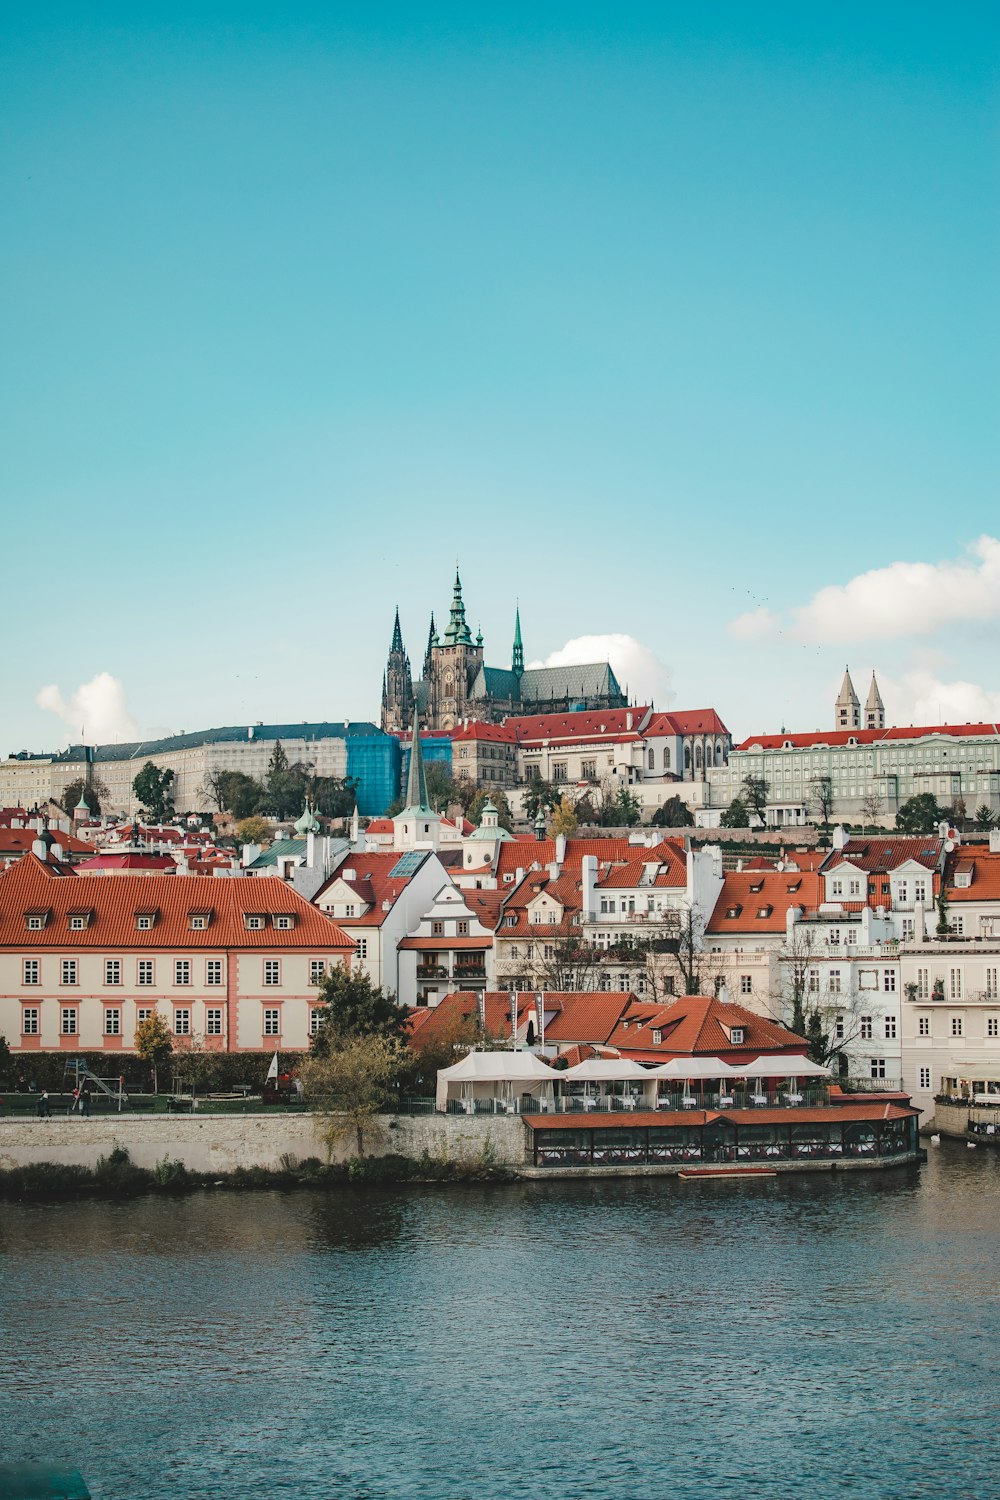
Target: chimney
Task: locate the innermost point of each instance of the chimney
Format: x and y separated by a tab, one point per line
560	849
840	836
995	841
628	721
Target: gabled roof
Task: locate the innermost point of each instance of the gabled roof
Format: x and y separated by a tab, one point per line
984	869
584	725
116	902
839	737
632	873
462	1006
587	1016
373	884
882	855
699	1025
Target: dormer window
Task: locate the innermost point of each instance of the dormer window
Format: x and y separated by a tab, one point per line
657	1036
733	911
764	911
793	886
145	920
283	921
37	918
736	1036
78	921
198	921
254	921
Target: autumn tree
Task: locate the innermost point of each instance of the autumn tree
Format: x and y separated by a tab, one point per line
352	1082
153	789
253	831
154	1043
564	819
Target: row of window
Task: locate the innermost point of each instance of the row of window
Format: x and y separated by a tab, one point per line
925	989
145	971
957	1027
145	921
69	1021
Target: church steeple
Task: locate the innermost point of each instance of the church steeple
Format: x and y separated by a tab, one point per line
432	640
416	780
847	710
457	633
874	707
517	660
397	635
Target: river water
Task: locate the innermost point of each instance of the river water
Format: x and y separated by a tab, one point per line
820	1335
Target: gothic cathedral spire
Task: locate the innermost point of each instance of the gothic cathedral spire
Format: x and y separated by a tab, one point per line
517	659
397	685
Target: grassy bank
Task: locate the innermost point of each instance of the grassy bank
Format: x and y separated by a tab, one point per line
116	1176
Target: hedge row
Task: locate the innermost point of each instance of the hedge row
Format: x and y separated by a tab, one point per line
47	1070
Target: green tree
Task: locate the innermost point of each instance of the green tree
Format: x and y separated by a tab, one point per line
333	796
735	815
96	794
984	818
564	819
920	814
538	794
352	1082
233	792
498	797
4	1056
673	814
193	1065
753	794
253	831
354	1007
154	1043
153	789
442	791
628	808
819	1040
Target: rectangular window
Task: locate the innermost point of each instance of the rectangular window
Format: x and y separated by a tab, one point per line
838	1028
362	947
923	983
182	1023
877	1066
144	972
112	971
955	983
67	1020
254	923
588	770
213	1021
32	971
112	1021
315	1017
68	971
29	1021
924	1026
284	923
813	981
890	1028
993	1026
463	929
834	981
888	979
437	929
271	1022
198	923
213	971
924	1078
317	970
142	1014
991	984
956	1025
143	922
746	984
559	771
272	971
77	923
919	891
182	971
866	1028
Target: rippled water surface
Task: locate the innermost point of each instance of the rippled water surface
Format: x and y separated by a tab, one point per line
810	1336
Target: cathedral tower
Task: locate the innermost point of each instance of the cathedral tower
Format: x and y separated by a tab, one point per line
874	707
455	663
847	710
397	685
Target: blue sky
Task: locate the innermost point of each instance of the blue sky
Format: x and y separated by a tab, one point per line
663	319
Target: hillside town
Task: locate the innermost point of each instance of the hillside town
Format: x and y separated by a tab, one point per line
529	854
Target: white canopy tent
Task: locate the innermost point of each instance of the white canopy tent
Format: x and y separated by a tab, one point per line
695	1067
494	1075
782	1067
606	1070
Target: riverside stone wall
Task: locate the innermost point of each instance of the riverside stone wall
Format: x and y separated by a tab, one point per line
220	1143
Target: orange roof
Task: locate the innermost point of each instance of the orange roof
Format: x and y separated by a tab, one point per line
759	900
627	876
20	840
116	903
795	1114
588	724
866	736
380	825
371	884
583	1016
699	1025
985	871
475	729
463	1005
436	944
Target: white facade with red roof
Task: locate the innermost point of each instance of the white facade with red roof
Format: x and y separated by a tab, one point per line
450	948
82	961
863	768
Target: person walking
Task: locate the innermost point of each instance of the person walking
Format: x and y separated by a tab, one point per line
42	1107
85	1100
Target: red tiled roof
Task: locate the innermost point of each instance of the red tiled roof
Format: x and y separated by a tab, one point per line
866	736
435	944
476	729
699	1025
629	875
372	885
985	871
689	721
30	884
586	725
746	893
126	862
380	825
583	1016
463	1005
20	840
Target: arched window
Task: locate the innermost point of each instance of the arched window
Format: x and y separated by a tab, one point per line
697	755
687	757
666	757
652	766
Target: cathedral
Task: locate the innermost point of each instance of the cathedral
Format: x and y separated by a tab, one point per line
456	684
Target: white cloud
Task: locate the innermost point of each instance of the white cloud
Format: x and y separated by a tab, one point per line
97	712
634	664
902	599
920	697
755	624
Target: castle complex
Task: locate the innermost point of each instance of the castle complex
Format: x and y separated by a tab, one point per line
456	684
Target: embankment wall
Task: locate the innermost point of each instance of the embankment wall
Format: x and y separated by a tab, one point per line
220	1143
